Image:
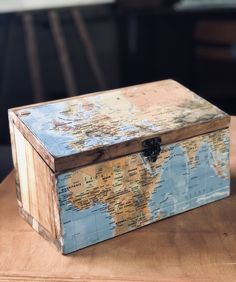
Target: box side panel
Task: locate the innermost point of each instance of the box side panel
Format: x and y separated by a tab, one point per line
14	158
104	200
36	188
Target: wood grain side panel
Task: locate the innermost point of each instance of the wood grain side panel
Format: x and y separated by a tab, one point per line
37	187
14	158
22	169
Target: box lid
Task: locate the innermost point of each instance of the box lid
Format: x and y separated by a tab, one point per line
86	129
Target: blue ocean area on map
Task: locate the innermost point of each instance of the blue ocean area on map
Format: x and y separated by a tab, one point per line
184	187
83	227
55	142
58	141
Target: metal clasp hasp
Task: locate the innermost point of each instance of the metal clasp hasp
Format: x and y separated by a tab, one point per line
152	148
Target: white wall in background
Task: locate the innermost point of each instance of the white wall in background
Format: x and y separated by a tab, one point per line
205	4
26	5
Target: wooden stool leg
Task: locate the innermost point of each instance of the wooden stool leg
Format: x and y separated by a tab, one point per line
62	53
32	53
89	48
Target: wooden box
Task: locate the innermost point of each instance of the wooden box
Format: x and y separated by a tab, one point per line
92	167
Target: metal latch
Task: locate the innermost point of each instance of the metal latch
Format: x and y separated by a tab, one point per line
152	148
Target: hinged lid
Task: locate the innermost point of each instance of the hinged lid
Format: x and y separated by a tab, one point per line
86	129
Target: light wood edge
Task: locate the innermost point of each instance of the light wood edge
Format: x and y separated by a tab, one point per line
84	278
15	164
41	230
31	138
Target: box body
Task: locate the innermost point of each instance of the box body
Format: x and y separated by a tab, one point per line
104	200
75	205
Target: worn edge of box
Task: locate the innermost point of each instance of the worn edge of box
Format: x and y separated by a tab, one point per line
41	230
115	150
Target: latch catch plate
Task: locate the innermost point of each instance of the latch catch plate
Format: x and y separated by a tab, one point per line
152	148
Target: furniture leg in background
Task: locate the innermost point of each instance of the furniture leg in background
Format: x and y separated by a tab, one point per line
33	59
63	54
89	48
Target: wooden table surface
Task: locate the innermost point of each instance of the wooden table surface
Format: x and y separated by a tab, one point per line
199	245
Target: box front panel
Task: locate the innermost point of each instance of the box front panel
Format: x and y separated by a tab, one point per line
104	200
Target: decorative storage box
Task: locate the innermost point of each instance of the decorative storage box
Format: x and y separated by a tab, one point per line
93	167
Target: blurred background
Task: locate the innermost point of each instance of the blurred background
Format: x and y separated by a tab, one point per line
52	49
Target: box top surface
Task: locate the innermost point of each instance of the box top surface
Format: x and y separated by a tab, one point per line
108	124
